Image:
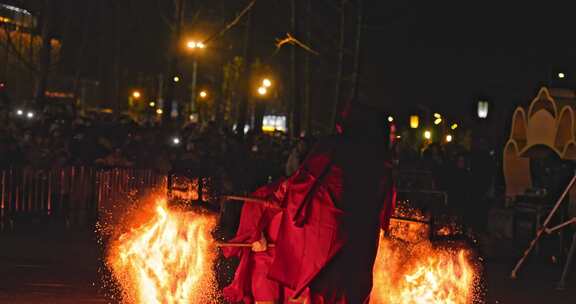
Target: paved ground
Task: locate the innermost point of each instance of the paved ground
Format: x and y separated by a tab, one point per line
60	269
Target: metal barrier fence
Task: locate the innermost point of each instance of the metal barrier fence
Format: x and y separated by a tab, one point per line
74	195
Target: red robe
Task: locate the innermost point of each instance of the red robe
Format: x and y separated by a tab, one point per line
250	280
335	205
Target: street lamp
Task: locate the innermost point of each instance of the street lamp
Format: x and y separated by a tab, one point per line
262	91
152	104
390	119
136	94
159	111
449	138
427	135
483	109
454	126
266	82
561	75
194	45
414	121
203	94
176	79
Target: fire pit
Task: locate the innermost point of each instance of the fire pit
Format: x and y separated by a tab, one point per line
167	256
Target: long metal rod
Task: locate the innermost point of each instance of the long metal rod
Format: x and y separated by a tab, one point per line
568	265
268	203
567	223
541	231
241	245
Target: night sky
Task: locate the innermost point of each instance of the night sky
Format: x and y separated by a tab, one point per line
442	54
445	54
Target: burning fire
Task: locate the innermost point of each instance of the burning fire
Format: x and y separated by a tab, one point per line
168	258
420	274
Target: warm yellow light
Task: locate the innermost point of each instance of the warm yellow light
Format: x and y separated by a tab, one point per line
262	91
390	119
136	94
427	134
438	121
561	75
414	121
267	82
192	44
437	115
159	111
454	126
176	78
203	94
449	138
152	104
268	128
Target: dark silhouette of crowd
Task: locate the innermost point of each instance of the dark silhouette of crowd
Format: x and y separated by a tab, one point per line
103	140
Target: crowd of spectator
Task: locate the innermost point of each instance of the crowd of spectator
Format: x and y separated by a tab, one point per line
248	160
100	139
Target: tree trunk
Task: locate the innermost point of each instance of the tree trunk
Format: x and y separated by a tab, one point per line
340	64
295	103
246	85
44	56
173	67
357	50
80	57
307	76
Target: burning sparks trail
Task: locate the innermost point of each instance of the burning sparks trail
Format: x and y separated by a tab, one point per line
420	274
167	259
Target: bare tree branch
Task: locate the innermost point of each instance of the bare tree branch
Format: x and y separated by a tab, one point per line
163	17
293	41
233	22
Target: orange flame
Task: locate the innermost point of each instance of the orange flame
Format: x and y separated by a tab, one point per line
420	274
167	259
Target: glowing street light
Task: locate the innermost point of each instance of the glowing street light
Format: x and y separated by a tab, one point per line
390	119
19	112
437	115
203	94
427	135
454	126
30	115
193	44
561	75
266	83
438	121
483	109
176	140
414	121
136	94
449	138
159	111
176	79
262	91
152	104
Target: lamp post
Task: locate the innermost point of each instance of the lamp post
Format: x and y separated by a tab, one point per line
260	106
194	46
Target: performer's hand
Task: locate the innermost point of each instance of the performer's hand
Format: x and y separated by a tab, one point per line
260	245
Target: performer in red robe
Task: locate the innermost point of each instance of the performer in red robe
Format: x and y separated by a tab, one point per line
258	225
335	206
